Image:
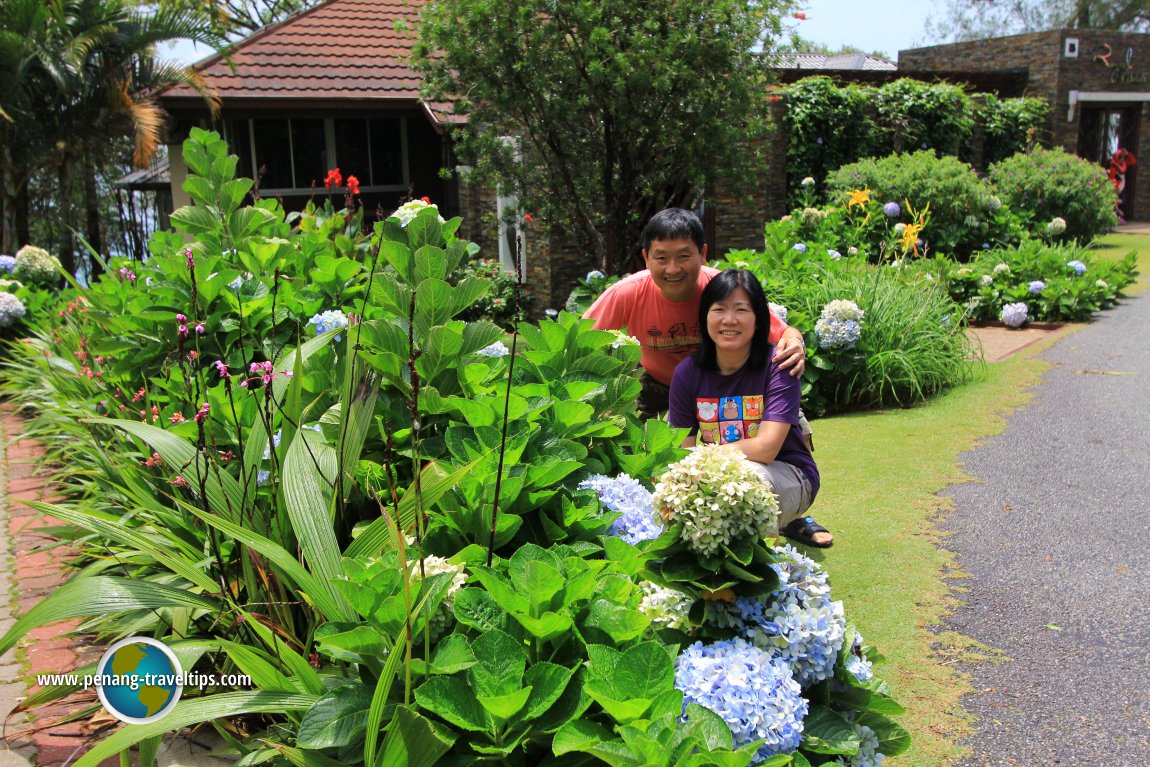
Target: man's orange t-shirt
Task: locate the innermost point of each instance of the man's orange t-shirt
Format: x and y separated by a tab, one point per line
667	330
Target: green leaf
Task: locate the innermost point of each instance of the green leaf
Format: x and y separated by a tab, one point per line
349	642
194	711
582	735
827	732
503	707
547	626
547	681
452	654
195	219
892	738
336	719
102	595
500	663
619	622
308	473
414	741
476	609
451	699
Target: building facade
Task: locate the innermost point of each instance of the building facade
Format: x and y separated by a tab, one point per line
1097	83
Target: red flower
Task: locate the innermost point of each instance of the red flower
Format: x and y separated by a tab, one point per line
334	178
425	199
800	16
352	185
527	218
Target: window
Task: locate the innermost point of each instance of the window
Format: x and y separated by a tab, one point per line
297	153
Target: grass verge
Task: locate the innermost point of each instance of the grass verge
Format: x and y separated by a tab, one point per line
882	473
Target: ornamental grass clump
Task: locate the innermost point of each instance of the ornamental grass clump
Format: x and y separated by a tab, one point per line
718	498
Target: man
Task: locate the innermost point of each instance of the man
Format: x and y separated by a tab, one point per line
660	306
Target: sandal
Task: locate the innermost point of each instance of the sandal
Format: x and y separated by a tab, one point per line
804	530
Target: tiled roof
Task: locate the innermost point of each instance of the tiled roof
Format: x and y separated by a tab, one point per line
340	49
845	61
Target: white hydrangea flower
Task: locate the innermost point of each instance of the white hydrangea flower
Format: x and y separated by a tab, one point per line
409	210
441	622
718	497
667	607
36	265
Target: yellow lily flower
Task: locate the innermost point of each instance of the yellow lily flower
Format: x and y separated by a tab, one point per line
858	197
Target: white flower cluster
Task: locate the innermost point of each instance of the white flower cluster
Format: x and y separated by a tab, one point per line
840	325
497	349
779	311
1013	315
409	210
868	754
718	497
622	339
858	664
11	310
36	265
1001	268
667	607
444	617
1056	226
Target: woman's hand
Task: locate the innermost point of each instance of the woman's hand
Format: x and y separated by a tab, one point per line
791	353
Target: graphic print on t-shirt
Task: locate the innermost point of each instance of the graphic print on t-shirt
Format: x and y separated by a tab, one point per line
723	420
680	336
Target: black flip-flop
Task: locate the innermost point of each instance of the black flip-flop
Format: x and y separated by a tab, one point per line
803	530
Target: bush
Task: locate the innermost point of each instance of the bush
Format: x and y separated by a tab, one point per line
914	115
963	212
826	126
1058	283
1010	125
1043	184
911	342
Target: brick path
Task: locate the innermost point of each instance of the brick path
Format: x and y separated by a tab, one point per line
28	575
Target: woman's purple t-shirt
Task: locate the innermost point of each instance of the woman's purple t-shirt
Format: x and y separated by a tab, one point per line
722	409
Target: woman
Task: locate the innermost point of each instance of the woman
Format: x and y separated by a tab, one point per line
731	392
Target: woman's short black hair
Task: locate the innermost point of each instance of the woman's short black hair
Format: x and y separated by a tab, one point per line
722	285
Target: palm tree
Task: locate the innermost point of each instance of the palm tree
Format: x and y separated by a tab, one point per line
85	74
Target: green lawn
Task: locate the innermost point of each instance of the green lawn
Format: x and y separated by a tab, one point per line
881	475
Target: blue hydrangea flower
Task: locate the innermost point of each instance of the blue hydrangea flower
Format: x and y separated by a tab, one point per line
11	309
892	209
1013	315
329	320
628	497
497	349
868	754
858	664
837	334
834	254
263	477
1036	287
756	695
594	274
1078	267
800	247
7	263
275	443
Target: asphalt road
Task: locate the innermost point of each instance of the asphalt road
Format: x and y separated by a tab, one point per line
1056	539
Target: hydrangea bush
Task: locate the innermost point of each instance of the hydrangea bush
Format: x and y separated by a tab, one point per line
36	265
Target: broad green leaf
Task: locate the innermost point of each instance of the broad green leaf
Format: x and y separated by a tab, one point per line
194	711
500	664
476	609
452	654
619	622
582	735
547	681
644	671
451	699
503	707
547	626
827	732
195	219
349	642
336	719
892	738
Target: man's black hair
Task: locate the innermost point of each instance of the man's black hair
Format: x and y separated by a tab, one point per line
674	224
722	285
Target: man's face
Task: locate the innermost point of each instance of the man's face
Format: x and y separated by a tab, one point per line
674	266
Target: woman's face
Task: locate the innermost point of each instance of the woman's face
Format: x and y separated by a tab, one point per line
731	322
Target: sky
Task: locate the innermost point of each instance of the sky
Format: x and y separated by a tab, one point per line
872	25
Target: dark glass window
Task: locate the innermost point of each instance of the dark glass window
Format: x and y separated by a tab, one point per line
273	153
351	150
309	153
240	144
386	153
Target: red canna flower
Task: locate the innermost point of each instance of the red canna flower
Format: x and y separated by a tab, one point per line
800	16
527	218
352	185
334	178
425	199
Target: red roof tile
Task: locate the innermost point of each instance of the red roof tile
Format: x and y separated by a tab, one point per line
341	49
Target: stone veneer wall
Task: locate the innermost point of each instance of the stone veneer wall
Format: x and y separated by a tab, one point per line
1053	76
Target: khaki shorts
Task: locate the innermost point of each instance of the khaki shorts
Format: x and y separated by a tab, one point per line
791	486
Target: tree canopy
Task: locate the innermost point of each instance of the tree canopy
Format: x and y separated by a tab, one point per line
975	19
599	113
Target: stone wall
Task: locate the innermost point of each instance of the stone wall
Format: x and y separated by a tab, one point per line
1106	62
